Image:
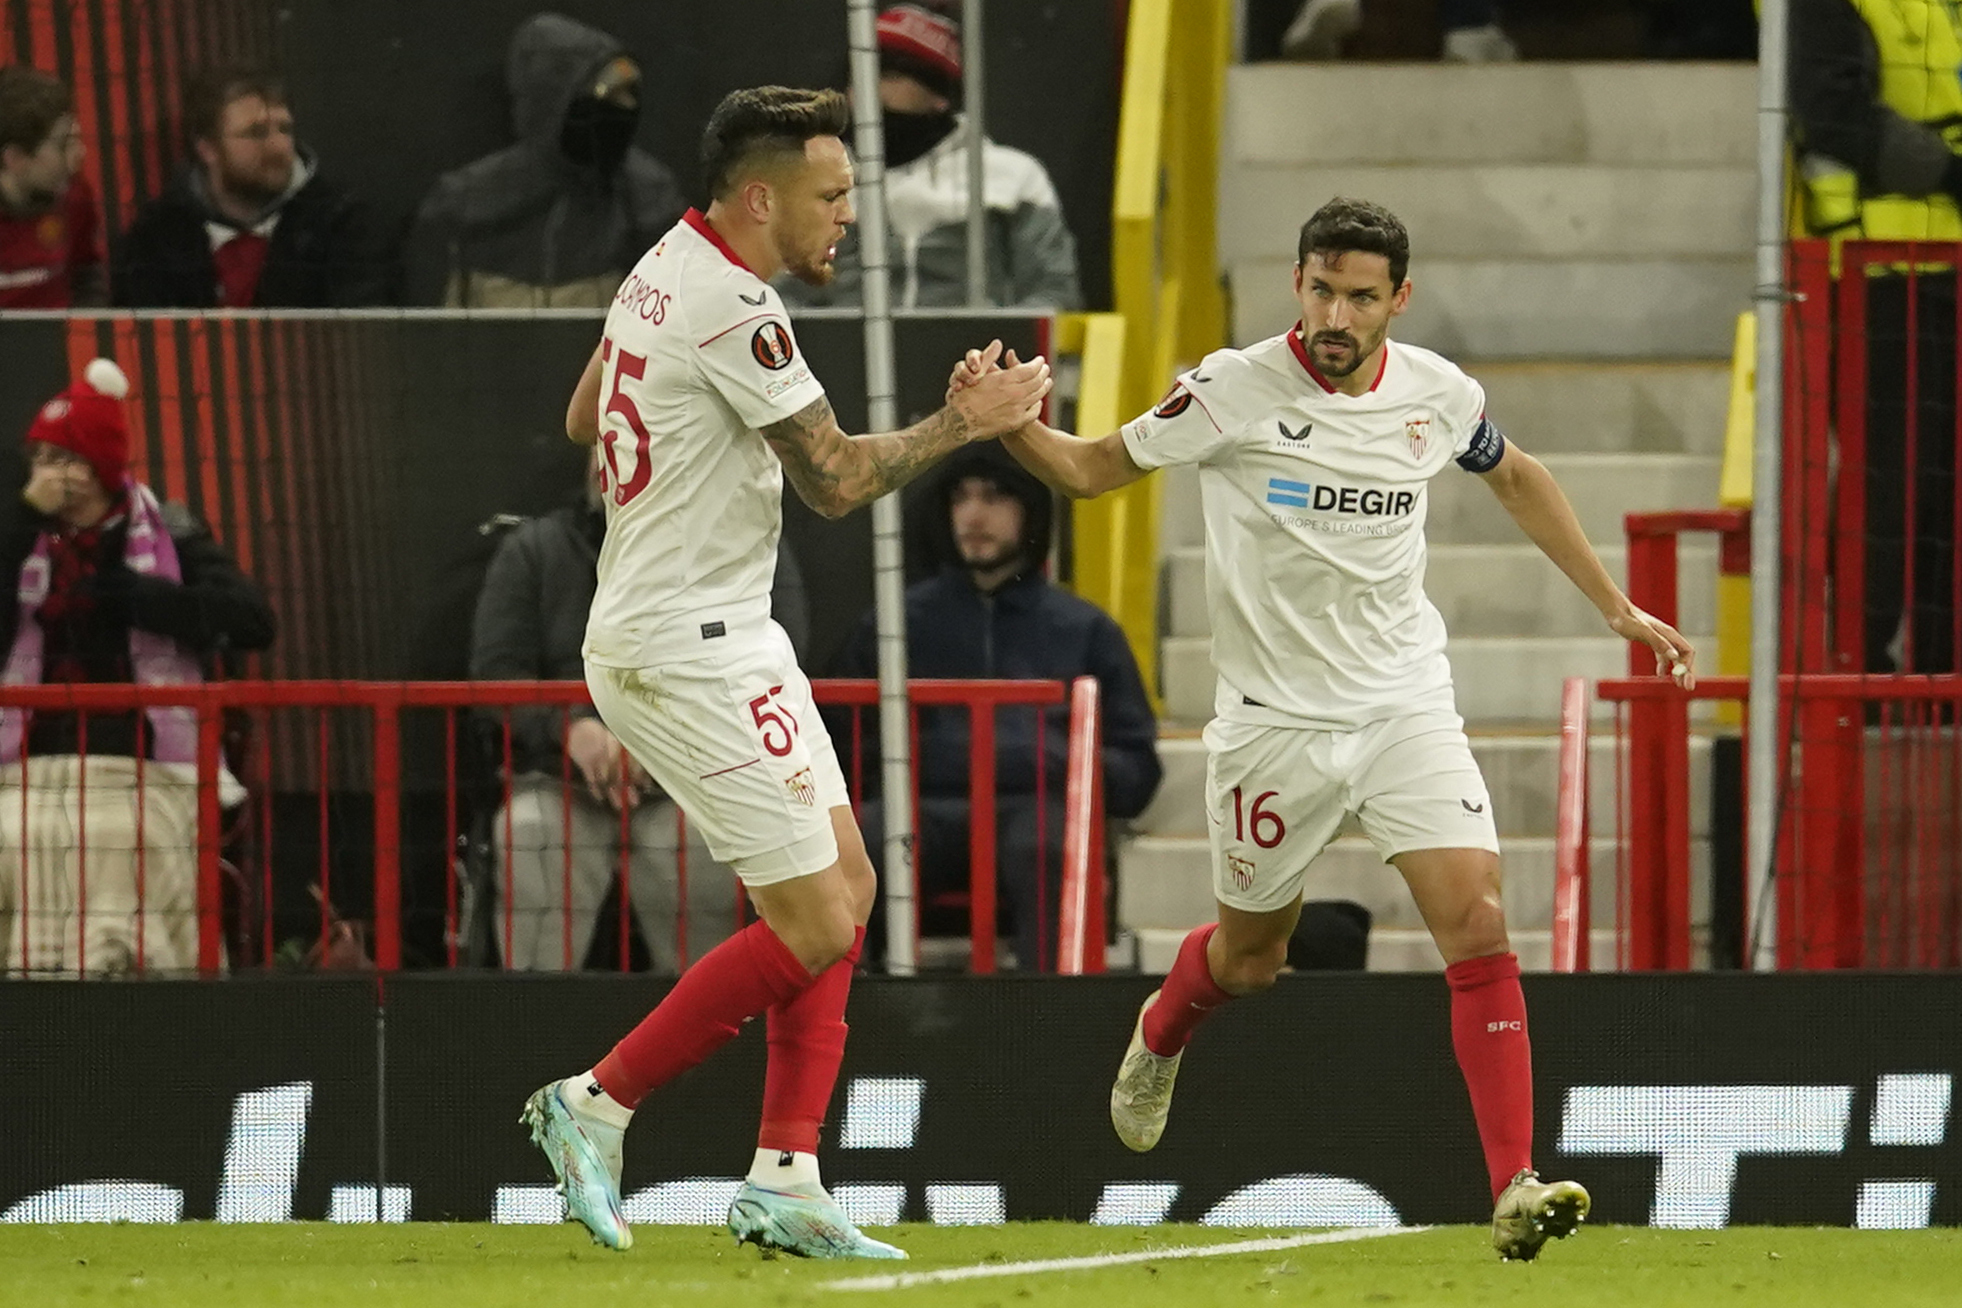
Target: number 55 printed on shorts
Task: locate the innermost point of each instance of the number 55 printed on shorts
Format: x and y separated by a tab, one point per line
789	779
735	740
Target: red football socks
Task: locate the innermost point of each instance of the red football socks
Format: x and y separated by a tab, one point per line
1488	1029
1188	995
730	984
807	1044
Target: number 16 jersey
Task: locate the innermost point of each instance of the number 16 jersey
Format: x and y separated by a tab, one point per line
698	355
1314	504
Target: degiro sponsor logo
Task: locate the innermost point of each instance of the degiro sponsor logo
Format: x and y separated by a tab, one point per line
1369	503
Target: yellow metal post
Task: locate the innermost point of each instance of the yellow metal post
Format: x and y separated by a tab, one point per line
1734	591
1165	282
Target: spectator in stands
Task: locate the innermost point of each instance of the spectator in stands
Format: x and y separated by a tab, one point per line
50	245
1472	34
992	614
1031	254
111	587
530	625
556	219
1875	103
250	222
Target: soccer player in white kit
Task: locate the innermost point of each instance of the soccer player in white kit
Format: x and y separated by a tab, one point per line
700	402
1315	448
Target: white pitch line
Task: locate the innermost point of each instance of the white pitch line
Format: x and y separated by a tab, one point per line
906	1280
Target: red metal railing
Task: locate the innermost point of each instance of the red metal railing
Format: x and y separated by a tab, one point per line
1868	854
1827	868
1571	873
1872	591
1083	850
1658	741
1830	527
1080	925
383	704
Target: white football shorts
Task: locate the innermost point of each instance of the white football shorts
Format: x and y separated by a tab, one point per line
1276	795
734	738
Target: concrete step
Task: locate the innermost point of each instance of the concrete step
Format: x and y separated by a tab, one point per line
1491	211
1166	881
1629	114
1603	488
1396	950
1522	772
1499	679
1678	307
1483	590
1608	408
1514	590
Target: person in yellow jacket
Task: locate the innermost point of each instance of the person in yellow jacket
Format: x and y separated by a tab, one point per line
1876	96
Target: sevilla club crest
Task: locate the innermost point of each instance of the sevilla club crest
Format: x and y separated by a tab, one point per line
1417	430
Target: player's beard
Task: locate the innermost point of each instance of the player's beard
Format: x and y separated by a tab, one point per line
813	270
1356	353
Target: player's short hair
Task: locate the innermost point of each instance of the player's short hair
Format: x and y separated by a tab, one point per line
1343	225
31	103
764	121
214	89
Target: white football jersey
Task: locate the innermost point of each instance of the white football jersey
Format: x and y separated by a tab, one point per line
1314	506
698	355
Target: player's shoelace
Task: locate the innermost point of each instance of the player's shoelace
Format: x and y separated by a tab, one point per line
1148	1080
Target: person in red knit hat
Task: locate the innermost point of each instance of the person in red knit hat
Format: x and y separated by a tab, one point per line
110	586
1031	253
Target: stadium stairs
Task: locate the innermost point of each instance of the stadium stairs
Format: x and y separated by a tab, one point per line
1582	238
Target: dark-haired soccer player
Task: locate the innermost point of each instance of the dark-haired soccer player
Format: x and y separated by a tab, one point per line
700	403
1315	450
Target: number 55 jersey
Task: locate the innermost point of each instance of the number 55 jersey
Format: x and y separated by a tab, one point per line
698	356
683	661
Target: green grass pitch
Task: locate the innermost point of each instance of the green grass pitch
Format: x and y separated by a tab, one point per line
196	1265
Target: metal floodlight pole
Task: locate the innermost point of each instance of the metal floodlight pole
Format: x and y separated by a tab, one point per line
1765	762
977	195
888	558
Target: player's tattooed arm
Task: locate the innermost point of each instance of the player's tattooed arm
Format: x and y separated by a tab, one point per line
835	473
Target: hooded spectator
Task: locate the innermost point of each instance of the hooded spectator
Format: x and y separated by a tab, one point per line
556	219
991	613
